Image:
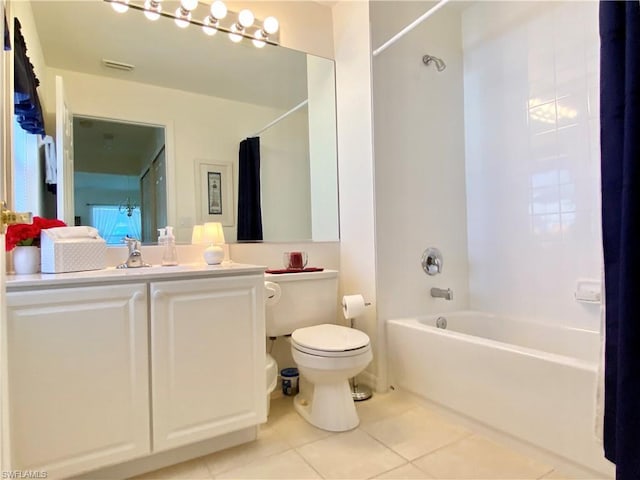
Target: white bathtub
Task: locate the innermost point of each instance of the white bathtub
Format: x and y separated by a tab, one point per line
533	381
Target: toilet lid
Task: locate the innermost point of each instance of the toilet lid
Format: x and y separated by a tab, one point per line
330	338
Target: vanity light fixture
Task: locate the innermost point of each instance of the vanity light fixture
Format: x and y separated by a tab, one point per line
209	26
152	9
120	7
235	35
246	18
218	11
183	12
258	41
270	26
262	33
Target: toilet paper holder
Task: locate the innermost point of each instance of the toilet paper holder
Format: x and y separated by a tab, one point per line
352	307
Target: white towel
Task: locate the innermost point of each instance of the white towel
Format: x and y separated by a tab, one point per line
50	161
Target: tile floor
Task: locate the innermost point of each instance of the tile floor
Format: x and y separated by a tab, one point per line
398	438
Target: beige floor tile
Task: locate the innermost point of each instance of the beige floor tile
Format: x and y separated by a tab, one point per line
405	472
560	475
384	405
352	455
270	441
476	458
284	429
287	465
191	470
293	428
415	432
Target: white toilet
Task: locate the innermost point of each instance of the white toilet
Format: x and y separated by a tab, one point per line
327	355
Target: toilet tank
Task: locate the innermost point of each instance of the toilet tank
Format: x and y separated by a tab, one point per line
307	299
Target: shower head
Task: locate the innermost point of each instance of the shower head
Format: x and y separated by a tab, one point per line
439	63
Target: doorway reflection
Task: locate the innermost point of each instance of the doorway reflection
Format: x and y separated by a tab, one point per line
119	178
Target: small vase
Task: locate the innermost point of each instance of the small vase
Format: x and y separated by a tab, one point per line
26	260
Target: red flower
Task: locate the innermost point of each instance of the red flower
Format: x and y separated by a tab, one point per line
26	234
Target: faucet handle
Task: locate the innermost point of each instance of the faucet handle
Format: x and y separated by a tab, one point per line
132	243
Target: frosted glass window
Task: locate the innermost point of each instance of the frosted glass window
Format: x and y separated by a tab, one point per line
26	171
114	224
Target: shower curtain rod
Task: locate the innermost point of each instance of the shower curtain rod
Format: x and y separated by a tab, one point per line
281	117
409	27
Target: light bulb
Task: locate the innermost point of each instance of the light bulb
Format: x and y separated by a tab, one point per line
120	7
189	4
270	25
182	20
258	39
218	10
207	28
245	18
152	9
234	37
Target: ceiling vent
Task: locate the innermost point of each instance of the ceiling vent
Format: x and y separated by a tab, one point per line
117	65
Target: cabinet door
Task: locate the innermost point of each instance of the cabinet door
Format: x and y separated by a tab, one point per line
207	358
78	383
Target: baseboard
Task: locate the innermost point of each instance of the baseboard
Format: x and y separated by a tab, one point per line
371	381
171	457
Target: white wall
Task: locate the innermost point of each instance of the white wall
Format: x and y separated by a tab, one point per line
419	160
198	127
532	132
355	163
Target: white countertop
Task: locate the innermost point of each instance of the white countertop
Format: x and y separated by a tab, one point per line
129	275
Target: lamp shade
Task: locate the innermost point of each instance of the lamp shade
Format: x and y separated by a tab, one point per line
197	236
213	233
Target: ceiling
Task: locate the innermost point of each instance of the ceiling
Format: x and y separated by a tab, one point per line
101	146
77	35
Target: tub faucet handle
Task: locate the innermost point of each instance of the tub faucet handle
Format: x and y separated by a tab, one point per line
432	261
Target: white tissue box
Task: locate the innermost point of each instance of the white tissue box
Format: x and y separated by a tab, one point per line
74	254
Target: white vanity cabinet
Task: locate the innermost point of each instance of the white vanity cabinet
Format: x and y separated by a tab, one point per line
77	378
131	369
208	357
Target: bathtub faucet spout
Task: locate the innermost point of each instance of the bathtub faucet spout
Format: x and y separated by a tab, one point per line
442	293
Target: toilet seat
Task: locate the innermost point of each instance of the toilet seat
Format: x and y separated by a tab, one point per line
328	340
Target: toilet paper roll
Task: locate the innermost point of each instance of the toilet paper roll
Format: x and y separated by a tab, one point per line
272	293
352	306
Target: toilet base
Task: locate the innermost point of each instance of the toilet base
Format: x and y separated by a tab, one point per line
331	408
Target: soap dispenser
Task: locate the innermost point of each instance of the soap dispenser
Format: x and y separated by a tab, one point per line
169	254
162	237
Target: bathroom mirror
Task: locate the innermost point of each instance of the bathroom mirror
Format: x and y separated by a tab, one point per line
208	94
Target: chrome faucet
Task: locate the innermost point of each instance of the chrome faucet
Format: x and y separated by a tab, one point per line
442	293
134	260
